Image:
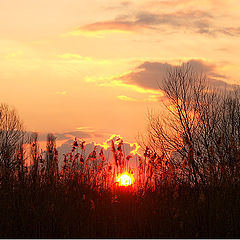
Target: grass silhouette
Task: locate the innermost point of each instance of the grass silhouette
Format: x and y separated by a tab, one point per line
82	200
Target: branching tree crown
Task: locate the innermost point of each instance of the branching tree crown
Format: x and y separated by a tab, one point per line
202	126
11	134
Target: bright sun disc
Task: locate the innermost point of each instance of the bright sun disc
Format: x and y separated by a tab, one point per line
125	179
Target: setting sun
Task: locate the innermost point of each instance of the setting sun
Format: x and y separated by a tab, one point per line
125	179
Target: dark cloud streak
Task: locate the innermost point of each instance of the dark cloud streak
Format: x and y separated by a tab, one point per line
150	75
196	21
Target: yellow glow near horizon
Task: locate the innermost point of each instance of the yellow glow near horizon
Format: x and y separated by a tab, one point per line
125	179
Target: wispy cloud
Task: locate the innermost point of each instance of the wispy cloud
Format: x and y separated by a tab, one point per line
126	98
150	98
117	5
119	82
98	29
74	56
72	135
86	133
196	21
82	59
185	3
63	93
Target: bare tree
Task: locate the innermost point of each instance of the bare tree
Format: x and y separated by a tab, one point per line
200	127
11	135
176	131
227	141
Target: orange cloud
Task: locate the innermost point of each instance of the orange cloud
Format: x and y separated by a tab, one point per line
150	98
126	98
63	93
74	56
100	28
109	25
118	82
82	59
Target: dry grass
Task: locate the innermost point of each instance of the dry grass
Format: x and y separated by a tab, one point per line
80	200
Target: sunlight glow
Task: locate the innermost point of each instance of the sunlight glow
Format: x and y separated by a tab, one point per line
125	179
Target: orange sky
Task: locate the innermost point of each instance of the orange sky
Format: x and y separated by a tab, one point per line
91	68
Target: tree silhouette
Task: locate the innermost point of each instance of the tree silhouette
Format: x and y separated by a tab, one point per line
200	128
11	135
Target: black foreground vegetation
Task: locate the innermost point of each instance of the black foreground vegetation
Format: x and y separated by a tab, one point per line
187	179
164	213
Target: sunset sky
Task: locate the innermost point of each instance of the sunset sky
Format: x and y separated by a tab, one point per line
90	68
